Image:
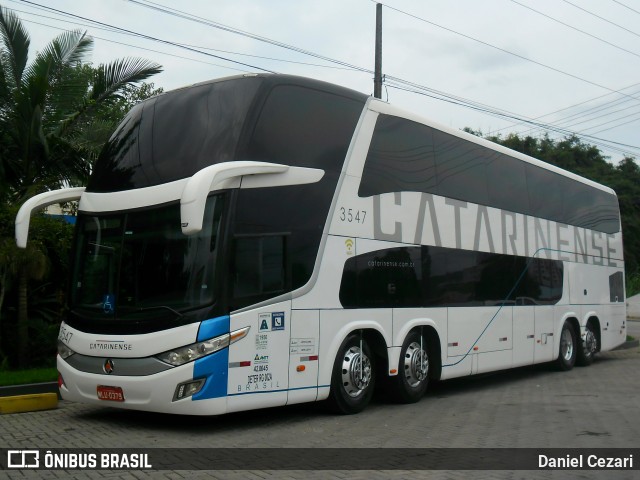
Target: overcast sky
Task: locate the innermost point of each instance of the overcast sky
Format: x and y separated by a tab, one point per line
504	55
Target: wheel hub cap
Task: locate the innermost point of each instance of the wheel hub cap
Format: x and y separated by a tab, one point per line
590	343
416	364
356	371
567	345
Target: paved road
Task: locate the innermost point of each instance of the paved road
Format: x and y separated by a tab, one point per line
534	407
633	328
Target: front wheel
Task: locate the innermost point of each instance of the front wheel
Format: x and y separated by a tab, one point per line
568	348
412	380
353	377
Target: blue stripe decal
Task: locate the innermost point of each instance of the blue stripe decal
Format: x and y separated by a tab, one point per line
213	327
214	368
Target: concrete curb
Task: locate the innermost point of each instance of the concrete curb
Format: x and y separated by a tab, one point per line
29	389
628	344
28	403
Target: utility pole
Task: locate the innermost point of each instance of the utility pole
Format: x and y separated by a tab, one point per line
377	78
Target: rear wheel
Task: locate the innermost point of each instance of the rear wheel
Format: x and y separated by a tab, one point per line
588	346
412	380
568	348
353	377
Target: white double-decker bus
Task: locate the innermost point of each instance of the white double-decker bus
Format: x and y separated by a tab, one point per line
265	240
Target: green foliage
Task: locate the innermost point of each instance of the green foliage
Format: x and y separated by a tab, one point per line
46	298
46	107
633	284
587	161
34	375
56	113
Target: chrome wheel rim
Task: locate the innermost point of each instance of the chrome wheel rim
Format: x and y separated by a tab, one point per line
416	364
356	371
590	343
566	344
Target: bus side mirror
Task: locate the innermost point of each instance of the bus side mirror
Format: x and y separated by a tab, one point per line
255	175
23	218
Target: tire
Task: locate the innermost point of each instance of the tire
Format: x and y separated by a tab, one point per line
568	348
588	346
411	383
352	383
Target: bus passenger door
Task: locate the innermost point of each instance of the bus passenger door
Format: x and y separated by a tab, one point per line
303	356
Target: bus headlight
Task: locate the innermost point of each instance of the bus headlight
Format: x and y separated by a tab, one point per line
64	351
189	353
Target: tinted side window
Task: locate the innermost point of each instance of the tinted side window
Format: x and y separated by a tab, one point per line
545	193
507	184
174	135
462	168
446	277
539	281
411	157
400	158
296	126
561	199
304	127
115	168
259	266
591	208
616	287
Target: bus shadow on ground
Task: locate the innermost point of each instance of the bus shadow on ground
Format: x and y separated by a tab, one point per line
300	413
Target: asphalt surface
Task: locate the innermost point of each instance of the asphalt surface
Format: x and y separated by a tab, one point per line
533	407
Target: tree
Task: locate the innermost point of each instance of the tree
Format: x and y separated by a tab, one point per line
46	112
45	105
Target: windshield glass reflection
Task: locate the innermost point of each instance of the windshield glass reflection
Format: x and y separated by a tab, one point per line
141	260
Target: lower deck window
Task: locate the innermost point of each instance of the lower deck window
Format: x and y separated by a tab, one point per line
424	276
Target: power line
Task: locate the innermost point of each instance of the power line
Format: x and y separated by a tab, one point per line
267	58
576	29
441	95
164	53
601	18
522	57
564	121
610	145
573	106
606	145
149	37
626	6
194	18
616	126
143	48
184	15
610	121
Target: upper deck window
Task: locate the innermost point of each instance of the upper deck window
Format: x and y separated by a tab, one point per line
412	157
275	118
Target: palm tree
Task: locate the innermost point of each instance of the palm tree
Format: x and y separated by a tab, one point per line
45	106
46	109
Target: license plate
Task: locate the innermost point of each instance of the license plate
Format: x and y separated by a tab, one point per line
112	394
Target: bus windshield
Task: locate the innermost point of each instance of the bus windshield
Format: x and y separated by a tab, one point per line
136	261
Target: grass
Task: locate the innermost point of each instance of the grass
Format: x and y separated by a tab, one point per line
633	284
34	375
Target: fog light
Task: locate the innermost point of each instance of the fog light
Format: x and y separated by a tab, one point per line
187	389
